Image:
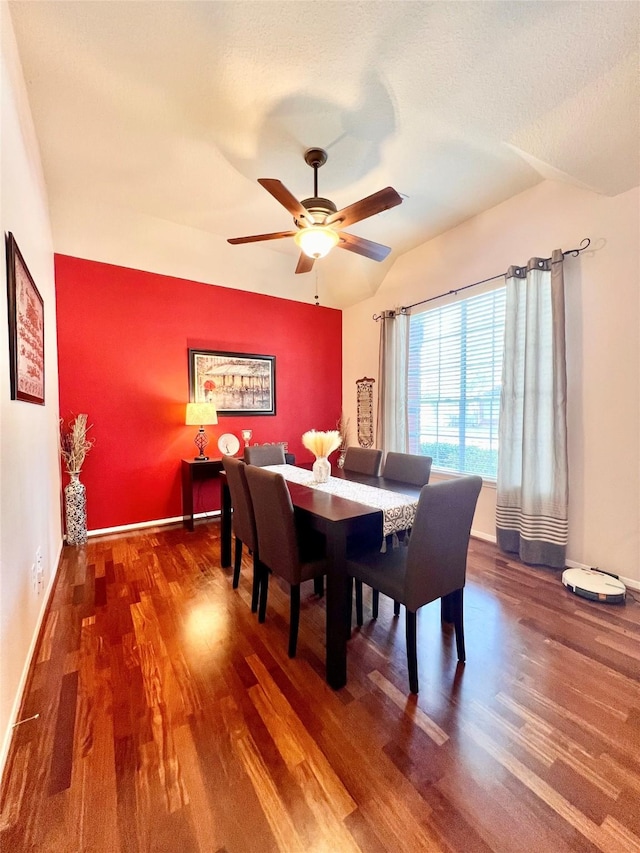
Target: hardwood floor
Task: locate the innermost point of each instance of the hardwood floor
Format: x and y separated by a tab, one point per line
170	720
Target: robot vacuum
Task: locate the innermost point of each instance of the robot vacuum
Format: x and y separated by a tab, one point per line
598	586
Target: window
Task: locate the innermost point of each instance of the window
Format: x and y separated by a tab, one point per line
455	378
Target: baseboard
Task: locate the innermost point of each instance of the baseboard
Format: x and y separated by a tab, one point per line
572	564
17	702
140	525
630	582
485	537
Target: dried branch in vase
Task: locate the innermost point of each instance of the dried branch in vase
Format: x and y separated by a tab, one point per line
74	444
344	428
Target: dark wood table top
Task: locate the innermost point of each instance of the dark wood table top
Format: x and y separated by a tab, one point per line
336	508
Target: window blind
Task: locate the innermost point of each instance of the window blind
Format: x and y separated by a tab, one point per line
454	383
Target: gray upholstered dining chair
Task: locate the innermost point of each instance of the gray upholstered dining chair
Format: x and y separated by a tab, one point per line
432	566
408	468
244	523
287	550
363	460
265	454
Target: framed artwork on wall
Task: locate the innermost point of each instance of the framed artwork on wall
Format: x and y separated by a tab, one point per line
239	383
26	329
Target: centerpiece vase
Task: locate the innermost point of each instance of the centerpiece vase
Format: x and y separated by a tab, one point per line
321	469
75	505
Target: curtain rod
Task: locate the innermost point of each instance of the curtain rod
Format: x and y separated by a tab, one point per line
405	308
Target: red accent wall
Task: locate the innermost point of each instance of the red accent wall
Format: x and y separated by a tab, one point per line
123	337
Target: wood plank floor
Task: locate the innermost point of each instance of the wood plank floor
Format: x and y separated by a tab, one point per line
169	720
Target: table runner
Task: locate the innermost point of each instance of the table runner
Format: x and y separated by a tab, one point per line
398	510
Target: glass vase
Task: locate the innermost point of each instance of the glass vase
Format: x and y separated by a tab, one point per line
75	506
321	469
341	456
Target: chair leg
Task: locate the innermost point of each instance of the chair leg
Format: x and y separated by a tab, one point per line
350	605
255	592
318	586
396	608
264	590
456	608
446	609
359	615
412	654
375	602
237	563
294	619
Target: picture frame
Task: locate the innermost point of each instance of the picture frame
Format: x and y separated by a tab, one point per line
26	328
239	383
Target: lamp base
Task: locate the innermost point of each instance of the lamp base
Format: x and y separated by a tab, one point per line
201	442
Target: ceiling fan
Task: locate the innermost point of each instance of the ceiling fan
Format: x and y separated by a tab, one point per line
318	221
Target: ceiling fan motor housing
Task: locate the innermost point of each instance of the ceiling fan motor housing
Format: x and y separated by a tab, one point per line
318	207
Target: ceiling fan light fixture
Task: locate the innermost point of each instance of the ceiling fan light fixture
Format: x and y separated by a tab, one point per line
316	241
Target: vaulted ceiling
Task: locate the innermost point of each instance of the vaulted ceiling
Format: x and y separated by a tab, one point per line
155	119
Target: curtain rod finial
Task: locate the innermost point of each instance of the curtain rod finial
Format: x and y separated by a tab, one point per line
575	252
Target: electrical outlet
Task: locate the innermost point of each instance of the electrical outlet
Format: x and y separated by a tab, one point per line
37	578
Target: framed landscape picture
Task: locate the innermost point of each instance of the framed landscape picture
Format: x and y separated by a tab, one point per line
26	329
238	383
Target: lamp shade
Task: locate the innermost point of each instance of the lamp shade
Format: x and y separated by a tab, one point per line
316	241
199	414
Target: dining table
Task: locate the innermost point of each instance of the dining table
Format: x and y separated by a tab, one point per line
350	507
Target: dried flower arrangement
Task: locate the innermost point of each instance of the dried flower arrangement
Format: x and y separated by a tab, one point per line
344	428
321	443
74	444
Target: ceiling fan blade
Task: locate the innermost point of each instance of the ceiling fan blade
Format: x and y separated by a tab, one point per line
374	251
369	206
256	238
287	199
305	263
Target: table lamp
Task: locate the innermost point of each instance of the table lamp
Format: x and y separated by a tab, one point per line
201	414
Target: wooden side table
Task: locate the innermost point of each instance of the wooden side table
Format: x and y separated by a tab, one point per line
193	471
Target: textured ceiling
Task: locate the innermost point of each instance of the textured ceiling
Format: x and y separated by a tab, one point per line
156	118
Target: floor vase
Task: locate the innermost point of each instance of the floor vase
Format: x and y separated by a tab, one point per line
75	506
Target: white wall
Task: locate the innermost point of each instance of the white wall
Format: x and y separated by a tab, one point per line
602	290
29	465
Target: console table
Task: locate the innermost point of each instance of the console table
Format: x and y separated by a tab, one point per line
193	471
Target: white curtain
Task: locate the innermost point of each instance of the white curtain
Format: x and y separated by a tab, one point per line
392	430
532	489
